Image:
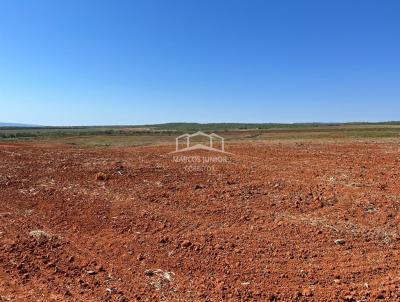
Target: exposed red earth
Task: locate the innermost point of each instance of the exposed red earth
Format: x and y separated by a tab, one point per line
278	222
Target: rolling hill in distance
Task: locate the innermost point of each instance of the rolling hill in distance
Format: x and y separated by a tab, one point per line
17	125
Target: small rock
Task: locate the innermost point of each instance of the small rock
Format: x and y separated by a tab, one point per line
109	290
337	281
186	243
307	292
91	272
168	276
39	235
340	241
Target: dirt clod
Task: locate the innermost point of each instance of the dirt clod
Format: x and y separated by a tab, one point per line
307	292
100	176
186	243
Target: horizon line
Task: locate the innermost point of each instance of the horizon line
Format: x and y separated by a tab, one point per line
30	125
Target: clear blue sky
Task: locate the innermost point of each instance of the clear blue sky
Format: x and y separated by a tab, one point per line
134	62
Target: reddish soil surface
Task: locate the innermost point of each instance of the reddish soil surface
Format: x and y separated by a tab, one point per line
277	222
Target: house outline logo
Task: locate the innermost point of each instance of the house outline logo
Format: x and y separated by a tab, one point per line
212	137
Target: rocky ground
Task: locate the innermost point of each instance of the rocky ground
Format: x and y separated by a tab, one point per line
275	222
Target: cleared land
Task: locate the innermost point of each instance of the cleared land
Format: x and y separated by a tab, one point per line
293	218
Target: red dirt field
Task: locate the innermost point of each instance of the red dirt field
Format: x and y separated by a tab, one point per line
278	222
